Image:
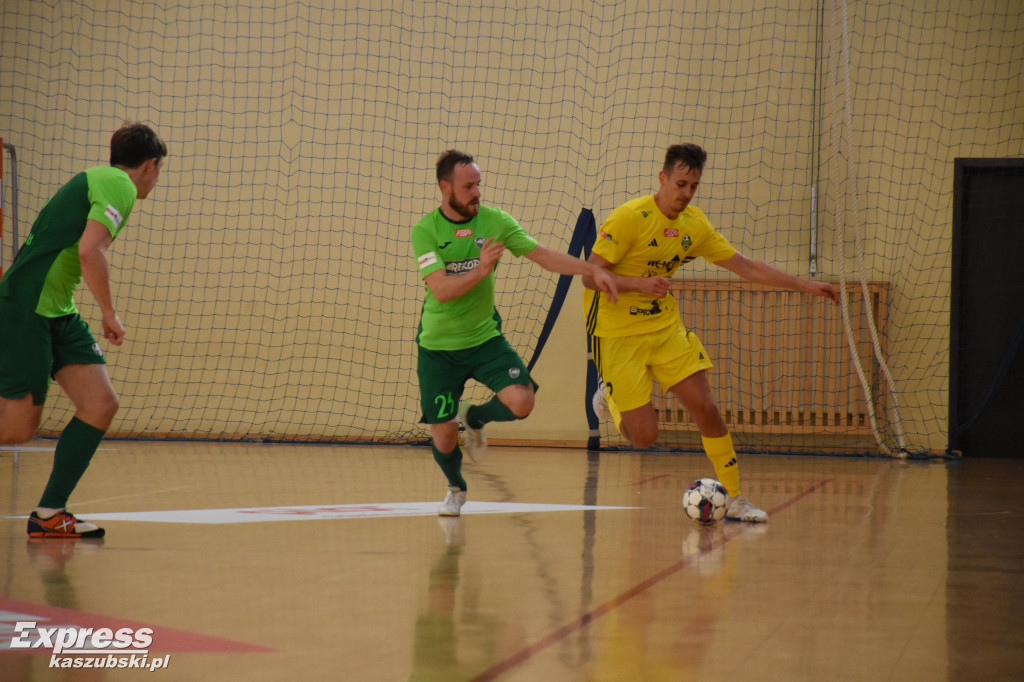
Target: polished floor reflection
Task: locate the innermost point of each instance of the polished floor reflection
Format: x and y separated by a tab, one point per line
315	563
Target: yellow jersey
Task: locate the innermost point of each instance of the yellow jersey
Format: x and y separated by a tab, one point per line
640	241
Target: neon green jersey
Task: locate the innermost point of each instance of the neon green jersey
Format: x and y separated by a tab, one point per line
46	271
441	244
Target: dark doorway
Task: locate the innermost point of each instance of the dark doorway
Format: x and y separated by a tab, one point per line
987	309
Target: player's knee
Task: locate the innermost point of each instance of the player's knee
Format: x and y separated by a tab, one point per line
99	412
106	407
644	440
522	406
642	437
113	406
16	434
445	439
18	422
445	445
517	400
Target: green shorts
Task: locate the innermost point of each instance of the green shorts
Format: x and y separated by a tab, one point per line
443	375
34	348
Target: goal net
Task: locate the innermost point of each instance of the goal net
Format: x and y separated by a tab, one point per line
268	283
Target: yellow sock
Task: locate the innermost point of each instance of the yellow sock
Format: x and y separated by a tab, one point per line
723	457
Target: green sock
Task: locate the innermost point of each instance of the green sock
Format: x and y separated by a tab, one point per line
451	465
75	448
492	411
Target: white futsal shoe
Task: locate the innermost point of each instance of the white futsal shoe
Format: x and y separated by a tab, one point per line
600	402
452	505
740	508
476	441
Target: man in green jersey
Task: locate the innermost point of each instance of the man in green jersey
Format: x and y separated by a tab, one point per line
457	247
43	336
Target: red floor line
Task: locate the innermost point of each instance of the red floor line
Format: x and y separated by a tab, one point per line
561	633
648	480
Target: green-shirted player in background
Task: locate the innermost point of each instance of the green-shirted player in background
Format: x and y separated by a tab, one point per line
42	334
457	247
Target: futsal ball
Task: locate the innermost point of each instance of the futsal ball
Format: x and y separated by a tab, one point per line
704	501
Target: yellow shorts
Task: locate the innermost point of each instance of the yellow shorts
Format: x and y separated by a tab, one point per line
628	363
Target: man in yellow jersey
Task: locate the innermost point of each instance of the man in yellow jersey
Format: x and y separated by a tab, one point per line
643	242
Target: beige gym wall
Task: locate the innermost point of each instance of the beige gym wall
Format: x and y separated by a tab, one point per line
267	284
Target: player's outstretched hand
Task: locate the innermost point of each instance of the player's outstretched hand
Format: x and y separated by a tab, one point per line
824	289
604	281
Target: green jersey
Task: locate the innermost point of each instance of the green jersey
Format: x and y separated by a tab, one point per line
46	271
439	243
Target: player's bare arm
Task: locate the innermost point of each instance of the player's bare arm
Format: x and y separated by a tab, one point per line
760	272
92	252
446	287
564	264
655	287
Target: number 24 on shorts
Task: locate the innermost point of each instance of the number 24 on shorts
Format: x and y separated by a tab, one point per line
445	406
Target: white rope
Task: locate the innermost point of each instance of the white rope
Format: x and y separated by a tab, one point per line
847	128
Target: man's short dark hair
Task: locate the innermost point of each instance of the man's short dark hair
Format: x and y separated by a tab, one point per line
135	143
447	162
690	155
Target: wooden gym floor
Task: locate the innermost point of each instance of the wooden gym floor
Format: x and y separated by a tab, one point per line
289	562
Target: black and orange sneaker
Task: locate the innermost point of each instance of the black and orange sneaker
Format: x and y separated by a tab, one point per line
62	525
